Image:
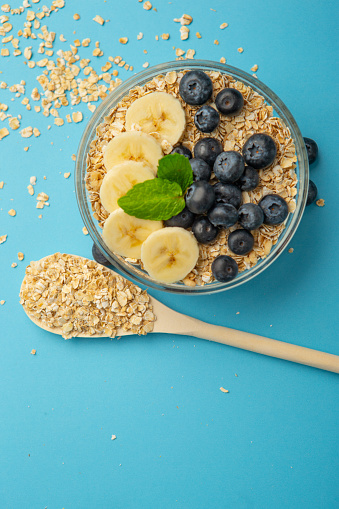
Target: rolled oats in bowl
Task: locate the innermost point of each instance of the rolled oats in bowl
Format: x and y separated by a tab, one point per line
262	112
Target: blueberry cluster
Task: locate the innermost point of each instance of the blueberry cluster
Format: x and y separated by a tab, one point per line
210	208
196	89
312	154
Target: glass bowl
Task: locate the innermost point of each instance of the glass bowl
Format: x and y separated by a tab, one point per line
279	109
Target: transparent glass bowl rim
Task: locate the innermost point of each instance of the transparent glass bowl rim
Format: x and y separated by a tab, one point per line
139	79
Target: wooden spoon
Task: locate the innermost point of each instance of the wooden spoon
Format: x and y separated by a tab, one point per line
171	322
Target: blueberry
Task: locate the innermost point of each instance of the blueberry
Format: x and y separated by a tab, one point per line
229	166
200	197
204	230
201	170
223	214
228	193
208	149
224	268
206	119
184	219
99	257
312	149
275	209
240	242
259	151
195	87
251	216
229	101
249	179
183	151
312	192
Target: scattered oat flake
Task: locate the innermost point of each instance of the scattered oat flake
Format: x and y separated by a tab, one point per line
76	16
59	121
147	5
77	116
190	53
198	34
4	132
185	19
99	19
74	157
2	302
113	437
58	3
67	174
42	197
123	40
2	184
223	25
36	132
254	68
14	265
30	189
140	36
85	231
223	60
33	352
5	52
179	52
3	238
165	37
146	64
240	50
32	180
223	390
216	42
184	33
14	123
21	256
27	132
291	250
12	212
320	202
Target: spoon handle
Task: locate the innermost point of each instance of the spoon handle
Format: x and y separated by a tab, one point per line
265	346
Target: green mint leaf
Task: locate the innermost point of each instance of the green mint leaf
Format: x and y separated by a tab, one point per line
176	168
157	199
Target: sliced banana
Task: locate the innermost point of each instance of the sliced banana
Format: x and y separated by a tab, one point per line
120	179
125	234
169	254
158	112
133	146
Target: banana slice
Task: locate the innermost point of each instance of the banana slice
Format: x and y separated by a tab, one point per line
133	146
158	112
125	234
169	254
120	179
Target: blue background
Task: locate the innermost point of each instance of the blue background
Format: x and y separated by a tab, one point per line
272	441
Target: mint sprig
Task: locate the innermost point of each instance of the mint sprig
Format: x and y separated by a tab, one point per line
176	168
163	197
156	199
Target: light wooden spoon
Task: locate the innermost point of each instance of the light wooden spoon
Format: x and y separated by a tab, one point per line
171	322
